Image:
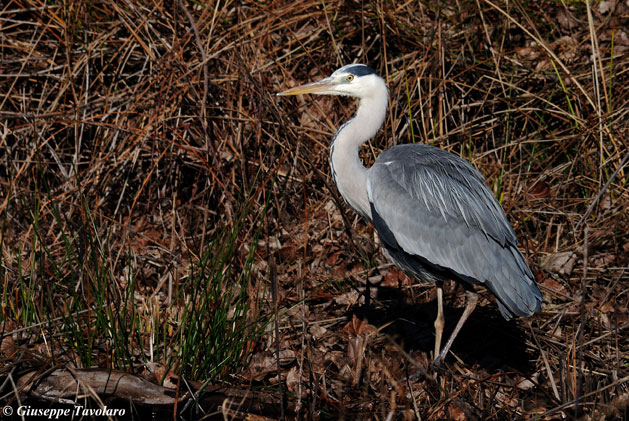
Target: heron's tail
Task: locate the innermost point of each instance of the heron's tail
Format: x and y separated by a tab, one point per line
514	287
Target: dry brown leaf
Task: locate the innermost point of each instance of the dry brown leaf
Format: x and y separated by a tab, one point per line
456	413
603	261
288	253
528	53
357	327
152	234
338	358
622	38
527	384
606	5
335	258
567	48
349	298
566	19
540	190
261	365
264	363
553	285
287	356
358	333
561	263
292	382
395	278
7	347
317	331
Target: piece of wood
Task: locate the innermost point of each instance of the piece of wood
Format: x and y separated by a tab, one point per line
66	384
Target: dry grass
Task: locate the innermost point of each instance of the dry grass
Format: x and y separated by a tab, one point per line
131	134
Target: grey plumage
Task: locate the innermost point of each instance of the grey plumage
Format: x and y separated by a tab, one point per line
433	212
438	220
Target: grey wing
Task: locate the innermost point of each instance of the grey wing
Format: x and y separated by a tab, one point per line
433	208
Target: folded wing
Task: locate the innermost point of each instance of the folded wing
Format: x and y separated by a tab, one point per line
435	215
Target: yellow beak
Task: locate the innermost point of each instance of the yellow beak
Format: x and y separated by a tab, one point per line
323	86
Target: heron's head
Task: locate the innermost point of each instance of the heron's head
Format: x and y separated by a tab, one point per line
355	80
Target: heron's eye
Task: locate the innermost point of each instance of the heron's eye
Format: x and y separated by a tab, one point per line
349	78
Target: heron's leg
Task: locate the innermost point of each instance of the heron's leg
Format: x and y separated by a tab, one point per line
472	299
439	321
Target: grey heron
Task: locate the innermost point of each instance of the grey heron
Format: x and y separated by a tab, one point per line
436	218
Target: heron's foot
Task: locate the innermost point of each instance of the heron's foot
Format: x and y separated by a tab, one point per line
437	362
436	365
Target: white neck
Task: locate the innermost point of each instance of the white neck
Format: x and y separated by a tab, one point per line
347	168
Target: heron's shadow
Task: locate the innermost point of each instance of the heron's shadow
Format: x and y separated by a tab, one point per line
486	339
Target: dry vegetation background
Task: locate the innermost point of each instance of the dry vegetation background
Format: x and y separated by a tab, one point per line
138	137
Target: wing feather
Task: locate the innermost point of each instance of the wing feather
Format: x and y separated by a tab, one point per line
432	206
